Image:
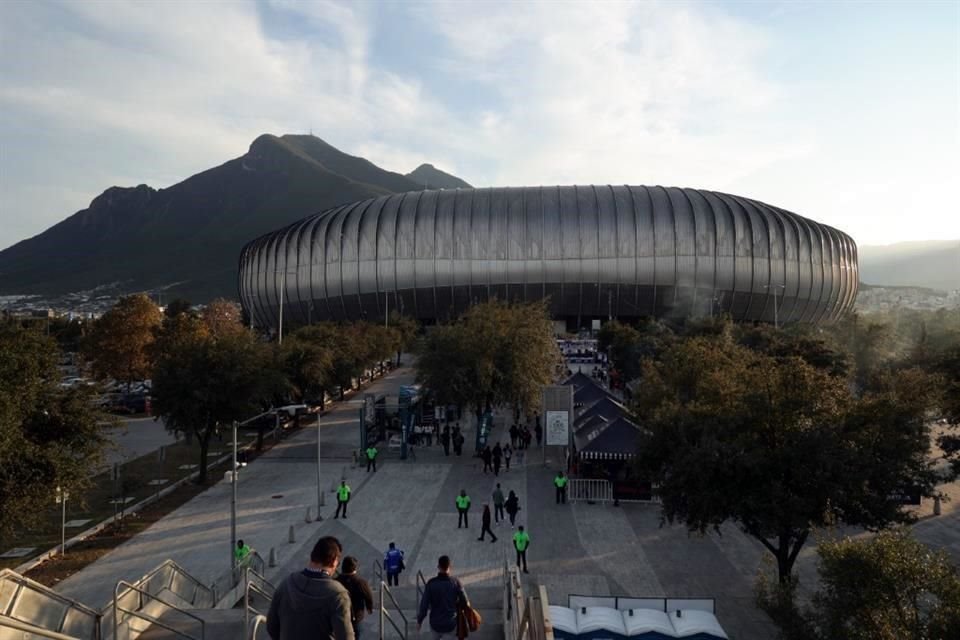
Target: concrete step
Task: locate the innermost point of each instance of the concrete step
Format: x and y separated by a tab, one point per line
218	624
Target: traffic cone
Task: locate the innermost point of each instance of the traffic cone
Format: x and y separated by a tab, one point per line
293	535
309	517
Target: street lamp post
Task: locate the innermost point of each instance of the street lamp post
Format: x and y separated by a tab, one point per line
319	482
61	499
282	289
233	504
776	310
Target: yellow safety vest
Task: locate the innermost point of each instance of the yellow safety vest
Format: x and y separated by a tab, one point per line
463	502
343	493
371	453
521	540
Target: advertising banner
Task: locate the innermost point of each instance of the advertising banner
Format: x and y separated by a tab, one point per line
558	428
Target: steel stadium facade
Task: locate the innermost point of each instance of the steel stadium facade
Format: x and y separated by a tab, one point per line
595	251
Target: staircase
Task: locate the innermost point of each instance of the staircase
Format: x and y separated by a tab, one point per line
487	600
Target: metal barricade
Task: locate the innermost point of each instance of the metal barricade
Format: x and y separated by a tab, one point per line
140	599
255	583
385	615
589	490
24	601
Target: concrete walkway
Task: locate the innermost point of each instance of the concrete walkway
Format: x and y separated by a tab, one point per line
575	549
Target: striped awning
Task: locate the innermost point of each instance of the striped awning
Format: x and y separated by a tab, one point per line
605	455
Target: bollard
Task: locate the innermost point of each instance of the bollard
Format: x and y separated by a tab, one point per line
273	558
323	503
936	505
293	535
309	517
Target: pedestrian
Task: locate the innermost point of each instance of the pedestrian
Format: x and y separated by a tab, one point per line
560	482
310	603
393	564
507	454
539	431
521	542
372	458
361	597
463	506
487	456
441	597
514	432
497	457
242	553
498	504
445	440
512	506
458	443
527	437
343	497
485	524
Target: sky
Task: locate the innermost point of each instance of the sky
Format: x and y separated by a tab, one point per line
847	113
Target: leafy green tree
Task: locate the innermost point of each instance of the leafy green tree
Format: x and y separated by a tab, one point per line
120	343
495	354
777	445
176	307
307	360
207	375
49	436
889	587
948	368
405	332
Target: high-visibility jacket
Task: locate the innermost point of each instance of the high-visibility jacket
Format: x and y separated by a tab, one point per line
521	540
560	481
371	453
241	553
463	502
343	493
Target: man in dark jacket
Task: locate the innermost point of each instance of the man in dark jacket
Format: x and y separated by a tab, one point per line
440	597
361	597
310	604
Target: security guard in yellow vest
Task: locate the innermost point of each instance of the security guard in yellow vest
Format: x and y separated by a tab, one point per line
372	457
463	506
343	497
521	541
560	482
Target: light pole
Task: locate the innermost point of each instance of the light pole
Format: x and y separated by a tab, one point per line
61	499
319	482
282	289
776	311
233	505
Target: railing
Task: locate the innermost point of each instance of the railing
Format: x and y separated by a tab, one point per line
31	603
589	490
378	570
153	620
29	630
420	589
260	586
524	618
385	615
174	578
230	579
257	621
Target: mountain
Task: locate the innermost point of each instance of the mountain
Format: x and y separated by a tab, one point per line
186	239
932	264
433	178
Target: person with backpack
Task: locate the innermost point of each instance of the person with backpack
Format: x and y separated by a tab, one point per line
393	564
507	455
442	598
512	506
361	597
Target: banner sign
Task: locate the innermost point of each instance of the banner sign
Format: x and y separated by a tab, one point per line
558	428
906	495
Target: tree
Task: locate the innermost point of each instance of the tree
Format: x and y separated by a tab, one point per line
208	375
176	307
889	587
948	368
494	354
307	360
405	332
777	445
119	346
49	436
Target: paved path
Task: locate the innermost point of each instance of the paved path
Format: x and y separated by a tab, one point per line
136	437
585	549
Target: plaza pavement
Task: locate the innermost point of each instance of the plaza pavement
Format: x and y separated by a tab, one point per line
575	549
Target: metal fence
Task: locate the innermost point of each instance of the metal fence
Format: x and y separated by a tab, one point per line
26	602
588	490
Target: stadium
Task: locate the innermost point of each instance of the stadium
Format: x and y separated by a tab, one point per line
595	252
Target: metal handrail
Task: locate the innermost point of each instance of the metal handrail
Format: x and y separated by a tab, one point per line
257	620
26	584
385	614
199	587
149	618
420	591
252	586
378	570
13	623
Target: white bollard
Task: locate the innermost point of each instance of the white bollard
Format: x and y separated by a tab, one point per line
309	517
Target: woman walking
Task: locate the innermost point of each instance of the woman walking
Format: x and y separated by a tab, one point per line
512	506
485	521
